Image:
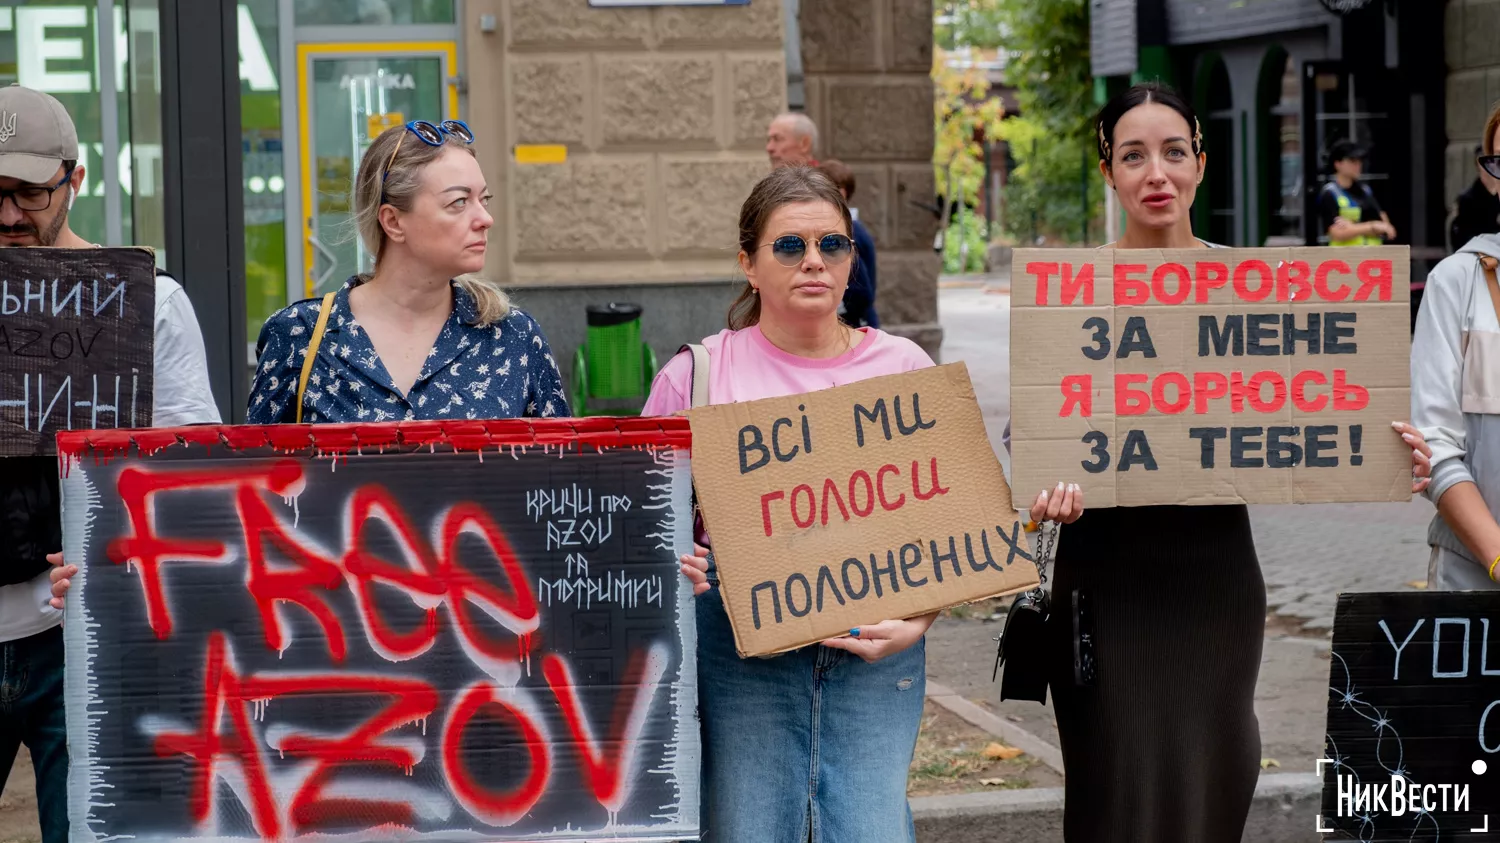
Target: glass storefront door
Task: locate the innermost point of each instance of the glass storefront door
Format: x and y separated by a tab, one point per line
347	95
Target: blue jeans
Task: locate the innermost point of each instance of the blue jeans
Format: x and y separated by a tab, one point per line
811	745
31	712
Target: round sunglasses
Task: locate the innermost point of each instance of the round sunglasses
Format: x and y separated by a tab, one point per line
432	134
789	249
1491	164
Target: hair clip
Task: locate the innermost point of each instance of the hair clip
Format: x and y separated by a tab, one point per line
1103	142
1197	136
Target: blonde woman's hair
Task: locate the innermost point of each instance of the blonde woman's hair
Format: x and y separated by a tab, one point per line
1488	144
398	185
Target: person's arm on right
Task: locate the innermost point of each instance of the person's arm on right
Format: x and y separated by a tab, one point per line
1436	403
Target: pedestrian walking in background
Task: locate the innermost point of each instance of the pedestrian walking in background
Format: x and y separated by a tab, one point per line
1455	401
814	744
1164	745
792	140
1347	207
858	309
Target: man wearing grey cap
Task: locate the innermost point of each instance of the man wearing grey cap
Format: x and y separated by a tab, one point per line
39	178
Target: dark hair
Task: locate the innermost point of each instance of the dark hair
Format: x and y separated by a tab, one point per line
1137	95
841	175
1345	150
784	186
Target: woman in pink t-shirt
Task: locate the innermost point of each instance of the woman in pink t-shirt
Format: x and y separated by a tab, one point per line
813	744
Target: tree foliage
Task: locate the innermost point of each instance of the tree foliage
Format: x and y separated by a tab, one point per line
1052	140
964	114
1045	43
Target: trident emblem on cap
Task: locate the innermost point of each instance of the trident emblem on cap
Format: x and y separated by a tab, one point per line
7	126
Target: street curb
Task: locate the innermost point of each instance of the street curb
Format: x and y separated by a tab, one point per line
1284	810
1001	728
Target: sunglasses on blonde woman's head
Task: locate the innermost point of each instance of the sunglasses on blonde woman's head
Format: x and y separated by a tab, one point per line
789	249
430	134
1490	164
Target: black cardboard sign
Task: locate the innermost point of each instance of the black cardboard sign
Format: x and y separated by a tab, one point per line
1413	740
76	342
431	631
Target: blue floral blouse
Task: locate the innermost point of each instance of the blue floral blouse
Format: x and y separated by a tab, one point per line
502	371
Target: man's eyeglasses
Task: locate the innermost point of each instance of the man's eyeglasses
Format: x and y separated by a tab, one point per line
34	197
789	249
1490	164
430	134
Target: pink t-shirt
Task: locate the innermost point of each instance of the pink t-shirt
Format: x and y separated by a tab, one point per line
745	366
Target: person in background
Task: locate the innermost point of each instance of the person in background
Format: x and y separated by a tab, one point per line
813	744
1165	746
1346	206
859	299
1455	402
420	337
39	178
792	140
1477	210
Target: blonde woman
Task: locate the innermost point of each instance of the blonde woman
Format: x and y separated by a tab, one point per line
417	338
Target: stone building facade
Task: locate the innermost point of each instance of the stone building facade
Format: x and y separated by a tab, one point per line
867	68
664	112
1471	30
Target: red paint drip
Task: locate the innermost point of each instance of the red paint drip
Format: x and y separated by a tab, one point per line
462	435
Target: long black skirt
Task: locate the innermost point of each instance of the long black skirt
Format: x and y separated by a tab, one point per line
1164	746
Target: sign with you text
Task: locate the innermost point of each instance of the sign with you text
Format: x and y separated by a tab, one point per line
421	631
875	501
1412	749
76	339
1210	376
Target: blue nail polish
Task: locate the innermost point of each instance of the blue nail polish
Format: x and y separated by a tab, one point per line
854	632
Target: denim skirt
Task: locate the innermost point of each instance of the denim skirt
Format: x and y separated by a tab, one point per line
810	746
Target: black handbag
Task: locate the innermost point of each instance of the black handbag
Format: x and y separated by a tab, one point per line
1022	642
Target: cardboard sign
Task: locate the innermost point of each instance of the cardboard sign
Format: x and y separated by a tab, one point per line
845	507
425	631
1413	742
1211	376
77	329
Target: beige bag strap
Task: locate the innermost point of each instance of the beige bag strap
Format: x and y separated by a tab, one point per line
700	374
312	350
1489	263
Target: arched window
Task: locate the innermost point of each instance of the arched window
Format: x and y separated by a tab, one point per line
1216	211
1279	102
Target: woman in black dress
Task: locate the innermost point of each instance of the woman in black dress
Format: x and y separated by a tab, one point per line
1164	745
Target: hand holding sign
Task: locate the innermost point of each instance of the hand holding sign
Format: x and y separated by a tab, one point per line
1063	504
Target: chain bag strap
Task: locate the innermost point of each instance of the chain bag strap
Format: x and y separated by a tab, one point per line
1022	643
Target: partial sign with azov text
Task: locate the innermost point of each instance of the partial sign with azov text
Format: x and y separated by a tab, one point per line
418	631
76	342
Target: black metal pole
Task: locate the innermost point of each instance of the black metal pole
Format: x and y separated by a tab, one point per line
989	193
202	169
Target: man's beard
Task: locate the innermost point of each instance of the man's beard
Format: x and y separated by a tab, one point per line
43	238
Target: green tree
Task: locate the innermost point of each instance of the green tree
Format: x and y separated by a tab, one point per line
964	115
968	23
1054	187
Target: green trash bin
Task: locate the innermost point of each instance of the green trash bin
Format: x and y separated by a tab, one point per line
613	365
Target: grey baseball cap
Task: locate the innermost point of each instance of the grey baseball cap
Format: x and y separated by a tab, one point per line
36	135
